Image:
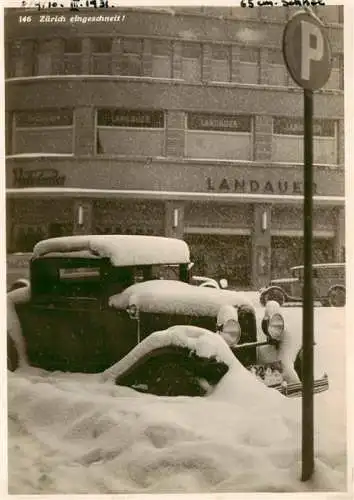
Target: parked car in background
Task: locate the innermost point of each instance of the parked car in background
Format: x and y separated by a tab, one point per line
328	282
91	300
209	282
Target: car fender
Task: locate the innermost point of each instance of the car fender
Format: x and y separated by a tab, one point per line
291	345
274	287
14	332
210	284
337	285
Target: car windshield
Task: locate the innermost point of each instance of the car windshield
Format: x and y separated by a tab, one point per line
157	272
297	272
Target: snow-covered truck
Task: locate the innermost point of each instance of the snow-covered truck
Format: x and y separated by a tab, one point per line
92	301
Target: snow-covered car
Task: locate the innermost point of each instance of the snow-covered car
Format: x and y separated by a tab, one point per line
209	282
328	282
92	300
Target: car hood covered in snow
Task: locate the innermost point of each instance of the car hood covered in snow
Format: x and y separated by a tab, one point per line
175	297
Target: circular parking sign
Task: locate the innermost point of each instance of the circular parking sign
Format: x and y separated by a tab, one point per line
306	51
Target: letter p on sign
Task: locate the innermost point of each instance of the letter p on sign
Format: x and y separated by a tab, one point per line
306	51
310	32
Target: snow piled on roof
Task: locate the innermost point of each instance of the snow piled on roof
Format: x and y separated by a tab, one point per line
175	297
122	250
73	434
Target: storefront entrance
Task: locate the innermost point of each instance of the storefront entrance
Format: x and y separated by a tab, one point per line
222	257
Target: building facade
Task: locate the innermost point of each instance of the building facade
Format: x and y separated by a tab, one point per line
175	121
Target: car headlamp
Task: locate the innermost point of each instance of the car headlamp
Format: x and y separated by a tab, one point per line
231	332
276	326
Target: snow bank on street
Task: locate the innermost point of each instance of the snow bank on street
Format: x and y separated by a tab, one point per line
71	433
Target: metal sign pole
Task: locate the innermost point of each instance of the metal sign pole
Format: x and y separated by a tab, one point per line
307	311
307	55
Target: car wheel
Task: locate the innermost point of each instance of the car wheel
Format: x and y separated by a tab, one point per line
336	297
262	299
12	355
276	295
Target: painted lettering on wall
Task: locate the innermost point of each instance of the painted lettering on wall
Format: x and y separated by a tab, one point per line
204	121
127	118
36	178
253	186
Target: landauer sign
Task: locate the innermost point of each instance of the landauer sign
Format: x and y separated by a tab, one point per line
295	126
254	186
37	178
206	121
127	118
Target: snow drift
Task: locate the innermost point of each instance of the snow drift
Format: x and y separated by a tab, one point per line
74	433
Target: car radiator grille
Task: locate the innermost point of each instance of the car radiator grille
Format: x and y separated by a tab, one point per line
248	325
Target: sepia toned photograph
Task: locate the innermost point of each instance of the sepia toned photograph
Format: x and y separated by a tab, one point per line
175	248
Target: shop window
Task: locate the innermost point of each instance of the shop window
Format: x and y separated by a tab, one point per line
161	59
25	236
72	56
220	63
130	132
288	140
46	131
131	62
286	252
219	136
277	74
249	65
101	56
191	62
227	257
115	217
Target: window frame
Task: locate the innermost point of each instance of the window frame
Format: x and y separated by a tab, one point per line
334	137
67	55
228	60
15	129
249	134
126	128
103	54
